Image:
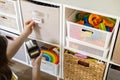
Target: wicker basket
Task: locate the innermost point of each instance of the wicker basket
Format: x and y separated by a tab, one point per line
76	68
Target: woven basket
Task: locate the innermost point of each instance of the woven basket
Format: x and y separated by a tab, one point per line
76	68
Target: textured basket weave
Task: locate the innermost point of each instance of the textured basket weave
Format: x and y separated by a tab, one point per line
76	68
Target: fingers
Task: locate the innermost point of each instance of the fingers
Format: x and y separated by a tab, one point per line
32	23
37	61
39	57
27	22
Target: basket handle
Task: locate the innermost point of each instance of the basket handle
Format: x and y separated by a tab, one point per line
83	63
85	30
9	37
3	17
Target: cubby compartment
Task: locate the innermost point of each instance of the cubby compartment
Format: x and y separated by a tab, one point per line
10	16
81	47
81	67
21	54
50	58
46	17
9	23
113	72
90	27
8	7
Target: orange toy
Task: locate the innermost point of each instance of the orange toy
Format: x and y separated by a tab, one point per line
95	20
81	22
108	23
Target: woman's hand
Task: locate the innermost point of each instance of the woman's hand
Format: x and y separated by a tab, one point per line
29	26
36	62
16	44
36	68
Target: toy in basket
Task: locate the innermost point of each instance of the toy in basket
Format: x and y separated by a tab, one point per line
50	60
93	29
76	68
95	21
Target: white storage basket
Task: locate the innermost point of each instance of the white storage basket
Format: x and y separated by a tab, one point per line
88	34
80	47
8	6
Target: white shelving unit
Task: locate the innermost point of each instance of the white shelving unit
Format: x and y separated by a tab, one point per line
83	49
49	22
55	26
76	43
9	16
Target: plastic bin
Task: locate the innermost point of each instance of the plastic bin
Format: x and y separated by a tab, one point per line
85	48
88	34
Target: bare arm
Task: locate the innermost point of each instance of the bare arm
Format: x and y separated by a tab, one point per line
36	68
16	44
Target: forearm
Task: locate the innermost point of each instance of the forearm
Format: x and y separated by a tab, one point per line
15	45
36	73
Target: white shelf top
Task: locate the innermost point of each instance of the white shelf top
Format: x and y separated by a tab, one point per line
111	7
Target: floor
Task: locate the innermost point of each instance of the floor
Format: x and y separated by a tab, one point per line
24	72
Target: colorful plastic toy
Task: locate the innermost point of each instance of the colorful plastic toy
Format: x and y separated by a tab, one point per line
95	20
50	56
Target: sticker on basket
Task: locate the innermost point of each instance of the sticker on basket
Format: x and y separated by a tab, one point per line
39	17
